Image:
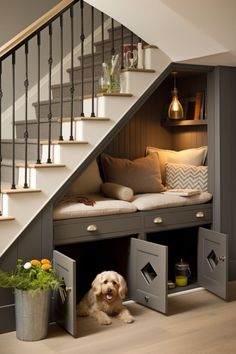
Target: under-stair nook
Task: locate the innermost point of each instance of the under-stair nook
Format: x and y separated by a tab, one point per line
59	121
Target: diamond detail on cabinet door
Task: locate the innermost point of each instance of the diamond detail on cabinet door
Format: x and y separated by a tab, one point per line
148	273
212	260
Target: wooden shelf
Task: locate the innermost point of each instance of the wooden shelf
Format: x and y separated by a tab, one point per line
183	122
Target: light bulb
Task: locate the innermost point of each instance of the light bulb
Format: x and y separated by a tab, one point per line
175	110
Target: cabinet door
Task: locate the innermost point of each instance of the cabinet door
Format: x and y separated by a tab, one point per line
213	261
65	312
148	273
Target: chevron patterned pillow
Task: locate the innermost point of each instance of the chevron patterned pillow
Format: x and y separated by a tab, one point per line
186	176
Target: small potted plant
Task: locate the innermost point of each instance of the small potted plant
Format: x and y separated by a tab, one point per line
33	282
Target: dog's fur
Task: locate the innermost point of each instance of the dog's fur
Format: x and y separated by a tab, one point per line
104	299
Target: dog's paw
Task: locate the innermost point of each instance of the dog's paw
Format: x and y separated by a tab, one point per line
128	319
103	318
126	316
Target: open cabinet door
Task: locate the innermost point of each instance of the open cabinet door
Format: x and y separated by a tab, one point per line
148	272
65	312
213	261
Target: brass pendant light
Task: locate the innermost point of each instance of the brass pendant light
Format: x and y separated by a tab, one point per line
175	110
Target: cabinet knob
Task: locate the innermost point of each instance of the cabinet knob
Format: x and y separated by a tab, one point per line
200	214
146	298
92	228
222	258
158	220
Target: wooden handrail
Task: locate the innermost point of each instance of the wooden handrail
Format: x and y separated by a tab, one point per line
30	31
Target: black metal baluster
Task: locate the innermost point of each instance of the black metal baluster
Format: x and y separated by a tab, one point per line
38	107
50	61
1	134
131	43
13	186
72	88
122	47
92	50
112	38
102	25
61	74
26	133
82	37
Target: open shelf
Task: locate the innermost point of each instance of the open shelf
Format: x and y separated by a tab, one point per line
183	122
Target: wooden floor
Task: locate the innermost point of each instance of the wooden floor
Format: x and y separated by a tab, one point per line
198	323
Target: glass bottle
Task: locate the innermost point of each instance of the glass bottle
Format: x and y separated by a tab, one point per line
115	74
104	80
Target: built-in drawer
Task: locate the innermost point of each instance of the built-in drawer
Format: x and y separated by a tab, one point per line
89	229
178	217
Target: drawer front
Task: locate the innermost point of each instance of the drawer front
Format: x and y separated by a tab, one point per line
76	230
181	217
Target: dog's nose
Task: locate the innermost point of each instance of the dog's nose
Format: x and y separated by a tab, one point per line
109	290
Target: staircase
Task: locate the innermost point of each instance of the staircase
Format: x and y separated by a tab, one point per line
90	134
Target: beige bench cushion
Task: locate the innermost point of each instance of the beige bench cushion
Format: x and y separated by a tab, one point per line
150	201
103	206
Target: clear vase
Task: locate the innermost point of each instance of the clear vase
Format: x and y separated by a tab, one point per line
104	80
32	314
115	74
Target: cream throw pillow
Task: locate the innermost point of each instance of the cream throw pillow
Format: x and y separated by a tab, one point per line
186	176
141	175
117	191
195	157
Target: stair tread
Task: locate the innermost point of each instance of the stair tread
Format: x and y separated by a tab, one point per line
76	82
6	218
41	165
114	94
64	142
21	190
136	70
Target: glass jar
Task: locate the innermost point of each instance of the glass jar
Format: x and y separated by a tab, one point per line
104	80
182	273
115	74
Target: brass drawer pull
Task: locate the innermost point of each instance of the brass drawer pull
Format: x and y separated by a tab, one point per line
158	220
92	228
200	214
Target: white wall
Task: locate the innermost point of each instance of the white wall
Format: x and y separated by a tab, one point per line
15	15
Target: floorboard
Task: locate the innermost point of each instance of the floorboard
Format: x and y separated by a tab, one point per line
198	323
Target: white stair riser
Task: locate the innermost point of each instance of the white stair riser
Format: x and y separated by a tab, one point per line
109	106
68	154
92	131
155	59
136	82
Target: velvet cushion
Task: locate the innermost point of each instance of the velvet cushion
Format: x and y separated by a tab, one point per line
141	175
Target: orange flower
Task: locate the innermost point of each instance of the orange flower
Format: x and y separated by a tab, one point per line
45	261
46	266
35	262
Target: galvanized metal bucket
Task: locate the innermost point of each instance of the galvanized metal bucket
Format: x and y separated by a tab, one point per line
32	313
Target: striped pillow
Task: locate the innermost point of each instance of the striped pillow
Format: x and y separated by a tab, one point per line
186	176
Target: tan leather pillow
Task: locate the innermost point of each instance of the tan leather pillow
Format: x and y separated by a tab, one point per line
141	175
117	191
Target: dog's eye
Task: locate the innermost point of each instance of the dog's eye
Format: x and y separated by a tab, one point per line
105	282
114	282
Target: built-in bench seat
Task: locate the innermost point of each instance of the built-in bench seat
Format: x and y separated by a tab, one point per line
85	213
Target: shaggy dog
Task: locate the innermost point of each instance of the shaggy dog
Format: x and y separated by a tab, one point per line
104	299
